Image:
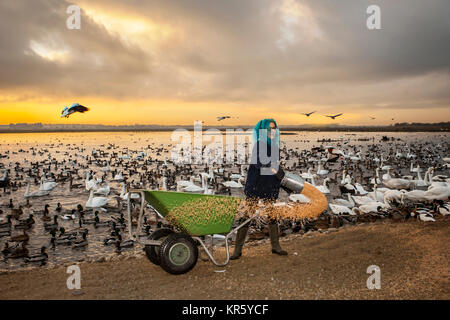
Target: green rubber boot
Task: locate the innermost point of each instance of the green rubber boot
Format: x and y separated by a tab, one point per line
240	239
273	231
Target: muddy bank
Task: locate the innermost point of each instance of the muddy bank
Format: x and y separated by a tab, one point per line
413	258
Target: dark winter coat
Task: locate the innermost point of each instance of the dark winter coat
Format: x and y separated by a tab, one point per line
261	186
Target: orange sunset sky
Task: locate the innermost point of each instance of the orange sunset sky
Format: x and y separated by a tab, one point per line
173	62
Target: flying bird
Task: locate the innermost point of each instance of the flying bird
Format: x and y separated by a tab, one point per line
335	116
373	118
222	118
308	114
76	107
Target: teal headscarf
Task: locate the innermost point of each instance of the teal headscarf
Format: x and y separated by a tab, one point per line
265	124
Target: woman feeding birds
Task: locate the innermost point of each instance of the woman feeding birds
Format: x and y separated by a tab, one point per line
263	180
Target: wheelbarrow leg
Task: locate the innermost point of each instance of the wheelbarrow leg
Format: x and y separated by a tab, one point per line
226	245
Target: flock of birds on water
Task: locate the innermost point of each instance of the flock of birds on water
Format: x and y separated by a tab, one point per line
383	178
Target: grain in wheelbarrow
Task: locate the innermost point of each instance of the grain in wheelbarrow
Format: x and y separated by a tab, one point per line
203	212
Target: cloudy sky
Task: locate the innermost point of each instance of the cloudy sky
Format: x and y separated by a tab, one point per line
175	61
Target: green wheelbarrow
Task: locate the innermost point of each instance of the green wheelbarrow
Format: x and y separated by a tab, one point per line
191	217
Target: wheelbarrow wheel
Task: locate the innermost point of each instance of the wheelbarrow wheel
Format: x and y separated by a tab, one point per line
178	254
152	252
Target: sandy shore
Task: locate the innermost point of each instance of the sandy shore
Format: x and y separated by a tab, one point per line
413	257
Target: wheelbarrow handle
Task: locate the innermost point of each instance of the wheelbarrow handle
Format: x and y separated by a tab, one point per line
141	214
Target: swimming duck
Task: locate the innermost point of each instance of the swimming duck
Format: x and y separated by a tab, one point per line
44	212
21	238
6	224
42	257
18	251
25	224
71	216
5	233
6	250
91	220
124	244
80	243
58	207
98	224
51	226
16	213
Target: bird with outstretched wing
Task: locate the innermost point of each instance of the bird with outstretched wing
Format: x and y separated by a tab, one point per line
308	114
76	107
335	116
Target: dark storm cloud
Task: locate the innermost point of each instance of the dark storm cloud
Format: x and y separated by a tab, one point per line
238	50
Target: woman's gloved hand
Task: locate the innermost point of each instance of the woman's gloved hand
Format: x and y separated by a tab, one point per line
280	174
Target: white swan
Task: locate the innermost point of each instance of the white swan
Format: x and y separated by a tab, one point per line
386	176
185	183
307	175
397	183
360	189
233	184
89	182
35	194
298	197
371	207
438	193
343	180
236	176
194	188
357	157
206	188
47	186
342	202
377	177
124	194
102	190
118	177
394	195
376	195
321	171
338	209
348	186
416	195
96	202
323	188
164	184
419	182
